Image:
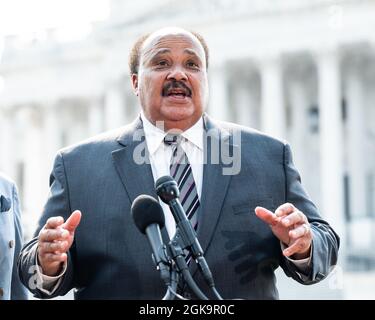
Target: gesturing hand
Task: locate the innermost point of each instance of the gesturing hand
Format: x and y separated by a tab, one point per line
291	227
55	239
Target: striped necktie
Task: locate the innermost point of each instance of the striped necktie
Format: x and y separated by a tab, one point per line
180	170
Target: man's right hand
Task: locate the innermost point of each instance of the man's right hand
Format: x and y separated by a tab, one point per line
55	239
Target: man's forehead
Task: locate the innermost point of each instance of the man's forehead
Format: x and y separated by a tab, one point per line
161	38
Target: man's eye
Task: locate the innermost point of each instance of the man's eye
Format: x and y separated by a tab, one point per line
162	63
192	64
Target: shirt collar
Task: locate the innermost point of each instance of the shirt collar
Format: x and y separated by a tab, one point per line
155	135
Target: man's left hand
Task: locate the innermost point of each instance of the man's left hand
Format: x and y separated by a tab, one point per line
291	227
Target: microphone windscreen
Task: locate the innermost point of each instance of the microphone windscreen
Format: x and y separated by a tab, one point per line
146	210
163	180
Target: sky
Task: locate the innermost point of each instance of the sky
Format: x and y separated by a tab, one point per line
72	17
29	19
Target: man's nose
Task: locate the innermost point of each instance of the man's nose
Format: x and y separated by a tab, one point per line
177	73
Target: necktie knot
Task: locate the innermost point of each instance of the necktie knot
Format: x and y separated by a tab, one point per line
172	139
178	154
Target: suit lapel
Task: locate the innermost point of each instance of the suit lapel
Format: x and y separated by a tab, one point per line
132	162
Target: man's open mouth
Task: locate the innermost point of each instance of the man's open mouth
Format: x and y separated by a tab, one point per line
176	89
178	93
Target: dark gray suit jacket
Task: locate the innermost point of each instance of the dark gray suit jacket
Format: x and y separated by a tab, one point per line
111	259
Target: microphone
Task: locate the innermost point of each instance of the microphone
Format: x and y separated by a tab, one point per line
148	216
167	189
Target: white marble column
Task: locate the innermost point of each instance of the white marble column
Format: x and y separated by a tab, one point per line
52	137
95	117
219	107
272	99
114	107
299	132
357	159
34	184
331	153
245	106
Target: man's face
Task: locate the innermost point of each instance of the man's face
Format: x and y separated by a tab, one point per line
172	80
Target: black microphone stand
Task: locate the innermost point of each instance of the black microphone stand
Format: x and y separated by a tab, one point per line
185	237
172	265
176	252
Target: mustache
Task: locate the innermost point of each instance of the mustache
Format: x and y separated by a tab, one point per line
176	85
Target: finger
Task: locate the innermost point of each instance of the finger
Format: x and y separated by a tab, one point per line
299	246
53	247
297	217
53	257
50	235
284	209
266	215
73	221
54	222
299	231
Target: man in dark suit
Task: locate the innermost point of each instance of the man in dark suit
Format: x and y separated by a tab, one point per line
250	219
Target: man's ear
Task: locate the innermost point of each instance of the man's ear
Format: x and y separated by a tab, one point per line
134	79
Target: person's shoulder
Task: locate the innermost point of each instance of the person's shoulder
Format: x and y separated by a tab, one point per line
104	141
249	135
7	188
6	181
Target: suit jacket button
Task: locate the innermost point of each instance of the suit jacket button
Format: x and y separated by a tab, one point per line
11	244
1	292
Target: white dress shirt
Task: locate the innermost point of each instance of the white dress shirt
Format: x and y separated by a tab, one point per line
160	155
